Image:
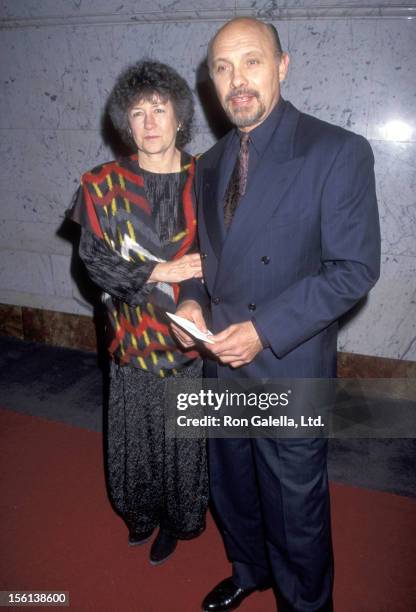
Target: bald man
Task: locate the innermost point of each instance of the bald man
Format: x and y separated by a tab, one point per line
289	231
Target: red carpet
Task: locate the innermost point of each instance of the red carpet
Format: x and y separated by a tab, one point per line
58	532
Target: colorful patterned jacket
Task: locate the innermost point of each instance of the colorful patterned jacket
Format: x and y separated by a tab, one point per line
111	204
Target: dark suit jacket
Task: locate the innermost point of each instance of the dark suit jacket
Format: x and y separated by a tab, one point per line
302	256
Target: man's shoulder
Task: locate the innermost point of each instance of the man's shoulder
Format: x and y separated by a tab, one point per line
210	157
314	131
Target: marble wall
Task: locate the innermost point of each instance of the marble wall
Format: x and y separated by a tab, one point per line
351	64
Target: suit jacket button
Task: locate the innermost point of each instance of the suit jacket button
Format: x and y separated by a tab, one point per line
216	300
265	260
252	306
203	255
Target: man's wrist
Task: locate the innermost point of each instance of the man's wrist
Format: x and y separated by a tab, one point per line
264	342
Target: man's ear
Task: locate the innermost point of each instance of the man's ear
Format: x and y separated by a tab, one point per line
283	66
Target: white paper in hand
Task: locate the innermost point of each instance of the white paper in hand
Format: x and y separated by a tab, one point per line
191	328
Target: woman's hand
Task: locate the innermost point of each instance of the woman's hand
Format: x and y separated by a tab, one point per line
178	270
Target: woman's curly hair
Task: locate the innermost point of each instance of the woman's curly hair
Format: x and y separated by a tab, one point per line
143	81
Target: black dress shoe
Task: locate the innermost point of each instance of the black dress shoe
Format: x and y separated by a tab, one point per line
162	548
225	596
137	539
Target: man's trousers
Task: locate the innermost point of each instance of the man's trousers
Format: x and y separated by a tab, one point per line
272	503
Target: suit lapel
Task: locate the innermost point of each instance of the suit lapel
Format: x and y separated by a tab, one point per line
212	220
214	184
269	186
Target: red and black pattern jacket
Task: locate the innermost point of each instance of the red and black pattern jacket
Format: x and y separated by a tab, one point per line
120	247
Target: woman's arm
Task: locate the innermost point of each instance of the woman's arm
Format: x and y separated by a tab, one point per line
125	280
132	281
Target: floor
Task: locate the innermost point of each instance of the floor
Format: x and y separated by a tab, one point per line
69	386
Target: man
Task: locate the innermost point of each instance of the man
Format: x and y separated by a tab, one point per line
289	232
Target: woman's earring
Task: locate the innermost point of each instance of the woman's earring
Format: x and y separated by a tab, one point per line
178	129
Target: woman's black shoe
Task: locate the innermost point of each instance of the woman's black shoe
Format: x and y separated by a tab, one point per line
162	548
137	539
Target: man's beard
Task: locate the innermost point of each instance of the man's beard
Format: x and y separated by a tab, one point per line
239	117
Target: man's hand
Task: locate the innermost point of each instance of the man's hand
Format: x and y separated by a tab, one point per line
237	345
190	310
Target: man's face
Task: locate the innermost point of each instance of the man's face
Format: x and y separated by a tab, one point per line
247	72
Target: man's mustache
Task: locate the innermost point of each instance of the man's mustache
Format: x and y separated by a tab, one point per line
242	92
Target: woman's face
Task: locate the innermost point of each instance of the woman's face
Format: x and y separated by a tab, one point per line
153	125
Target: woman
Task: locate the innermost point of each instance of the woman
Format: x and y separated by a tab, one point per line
138	243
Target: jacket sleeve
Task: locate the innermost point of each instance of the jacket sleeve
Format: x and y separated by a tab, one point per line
350	255
122	279
194	288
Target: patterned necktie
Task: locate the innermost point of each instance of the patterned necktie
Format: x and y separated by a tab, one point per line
238	181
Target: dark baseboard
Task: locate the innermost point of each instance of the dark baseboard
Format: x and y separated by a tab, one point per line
352	365
79	332
47	326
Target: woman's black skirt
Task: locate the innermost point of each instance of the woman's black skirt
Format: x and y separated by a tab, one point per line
153	479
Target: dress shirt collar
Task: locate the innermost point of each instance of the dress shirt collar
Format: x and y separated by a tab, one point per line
262	134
